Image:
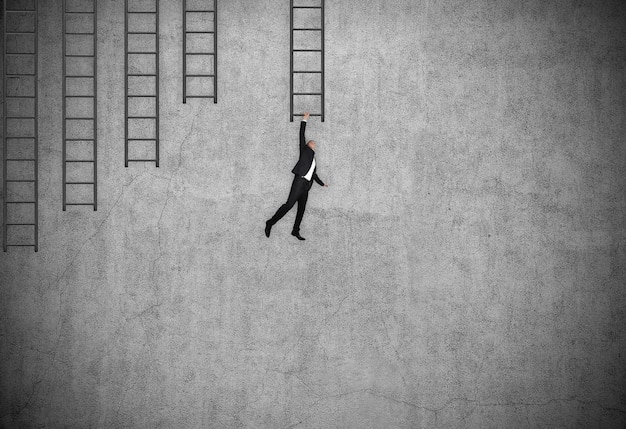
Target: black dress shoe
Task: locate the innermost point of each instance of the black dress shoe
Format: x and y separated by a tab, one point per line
298	236
268	228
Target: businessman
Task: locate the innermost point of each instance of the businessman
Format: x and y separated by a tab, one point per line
304	174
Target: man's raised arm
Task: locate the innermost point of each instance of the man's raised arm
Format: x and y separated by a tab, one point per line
302	127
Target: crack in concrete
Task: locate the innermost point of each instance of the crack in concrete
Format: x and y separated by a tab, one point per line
55	284
291	426
167	189
394	349
296	376
154	262
98	228
478	403
141	313
167	198
294	373
340	395
319	331
27	403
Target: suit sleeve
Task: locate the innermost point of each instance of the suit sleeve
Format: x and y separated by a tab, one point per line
317	179
302	139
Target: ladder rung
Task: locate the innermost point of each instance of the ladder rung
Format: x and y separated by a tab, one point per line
141	117
307	50
141	75
199	96
79	140
79	204
140	12
142	32
9	33
310	114
199	53
81	76
20	224
21	117
79	183
307	93
20	75
22	138
79	160
20	96
302	71
20	180
199	11
307	7
80	119
146	139
199	32
79	96
307	29
79	34
141	96
21	53
21	159
21	245
142	160
79	56
21	202
200	75
23	10
77	12
141	53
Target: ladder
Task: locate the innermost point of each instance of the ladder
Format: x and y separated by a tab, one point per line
308	56
141	86
20	121
80	114
194	68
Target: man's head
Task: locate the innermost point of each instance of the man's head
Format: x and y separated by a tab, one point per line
311	144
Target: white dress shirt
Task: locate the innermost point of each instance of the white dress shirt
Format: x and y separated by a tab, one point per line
310	173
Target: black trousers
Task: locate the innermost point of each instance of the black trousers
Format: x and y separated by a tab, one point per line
299	193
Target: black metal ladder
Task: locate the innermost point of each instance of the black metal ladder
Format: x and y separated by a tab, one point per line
80	110
193	31
141	108
302	51
20	217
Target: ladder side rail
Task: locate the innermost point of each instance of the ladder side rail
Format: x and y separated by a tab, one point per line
64	106
184	51
323	75
157	82
125	83
36	190
95	105
4	129
290	60
214	51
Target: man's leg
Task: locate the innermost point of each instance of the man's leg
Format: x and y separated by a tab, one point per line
300	213
297	187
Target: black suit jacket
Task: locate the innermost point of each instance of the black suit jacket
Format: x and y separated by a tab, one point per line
306	158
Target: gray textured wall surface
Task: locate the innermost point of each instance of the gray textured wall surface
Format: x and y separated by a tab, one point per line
464	269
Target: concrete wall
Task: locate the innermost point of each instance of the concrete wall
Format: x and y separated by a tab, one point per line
464	269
